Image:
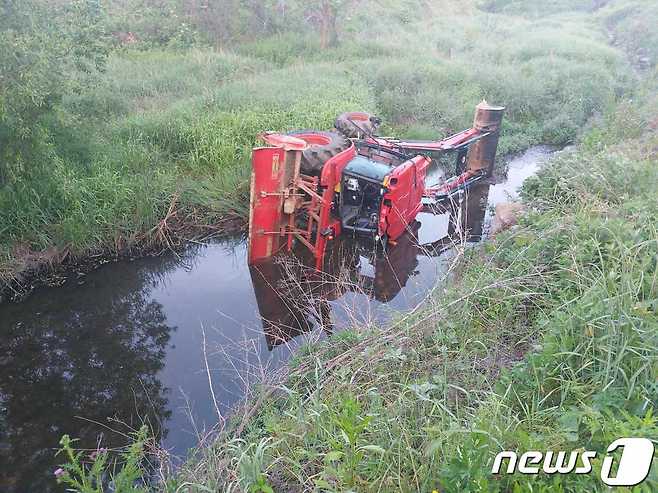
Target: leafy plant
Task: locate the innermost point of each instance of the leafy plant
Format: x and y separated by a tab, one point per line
96	473
251	467
347	452
42	48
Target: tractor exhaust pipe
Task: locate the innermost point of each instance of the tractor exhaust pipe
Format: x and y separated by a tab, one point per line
482	154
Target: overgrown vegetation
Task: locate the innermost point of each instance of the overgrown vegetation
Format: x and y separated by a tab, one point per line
547	341
98	472
158	140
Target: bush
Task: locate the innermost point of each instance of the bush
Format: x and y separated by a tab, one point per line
40	47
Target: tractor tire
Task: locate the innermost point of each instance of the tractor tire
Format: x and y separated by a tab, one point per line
367	122
322	147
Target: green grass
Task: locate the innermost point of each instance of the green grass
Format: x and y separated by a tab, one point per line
547	340
163	123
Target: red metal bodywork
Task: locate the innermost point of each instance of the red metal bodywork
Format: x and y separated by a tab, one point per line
265	218
448	144
402	200
279	193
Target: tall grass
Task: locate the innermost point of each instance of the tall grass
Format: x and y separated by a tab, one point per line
630	25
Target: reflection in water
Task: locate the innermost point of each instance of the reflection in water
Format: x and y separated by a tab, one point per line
127	345
293	298
96	360
284	316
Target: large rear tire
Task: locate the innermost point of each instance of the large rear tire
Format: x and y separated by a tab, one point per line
322	146
357	124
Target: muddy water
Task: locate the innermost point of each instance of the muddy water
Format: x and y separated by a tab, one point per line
125	344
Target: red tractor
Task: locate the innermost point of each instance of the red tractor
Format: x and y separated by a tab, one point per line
312	186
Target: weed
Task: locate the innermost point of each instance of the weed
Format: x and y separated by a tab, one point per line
127	475
251	464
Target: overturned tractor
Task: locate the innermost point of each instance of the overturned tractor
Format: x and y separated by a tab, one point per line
310	186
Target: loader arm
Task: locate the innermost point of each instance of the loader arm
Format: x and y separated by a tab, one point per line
455	142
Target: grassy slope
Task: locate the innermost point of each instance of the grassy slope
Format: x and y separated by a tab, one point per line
547	341
159	125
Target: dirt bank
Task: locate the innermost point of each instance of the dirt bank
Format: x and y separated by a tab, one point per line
28	269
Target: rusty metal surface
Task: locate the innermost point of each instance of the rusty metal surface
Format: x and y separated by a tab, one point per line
482	154
487	117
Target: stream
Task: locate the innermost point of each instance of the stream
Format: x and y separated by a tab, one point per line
139	341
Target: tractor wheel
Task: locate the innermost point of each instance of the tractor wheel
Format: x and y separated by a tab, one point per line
347	122
322	146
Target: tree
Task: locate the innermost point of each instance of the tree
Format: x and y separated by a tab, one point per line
44	47
324	14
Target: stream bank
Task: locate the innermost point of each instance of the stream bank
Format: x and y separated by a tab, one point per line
55	266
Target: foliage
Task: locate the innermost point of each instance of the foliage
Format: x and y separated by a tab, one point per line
251	465
95	162
46	51
125	475
145	24
533	8
151	23
346	450
631	27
